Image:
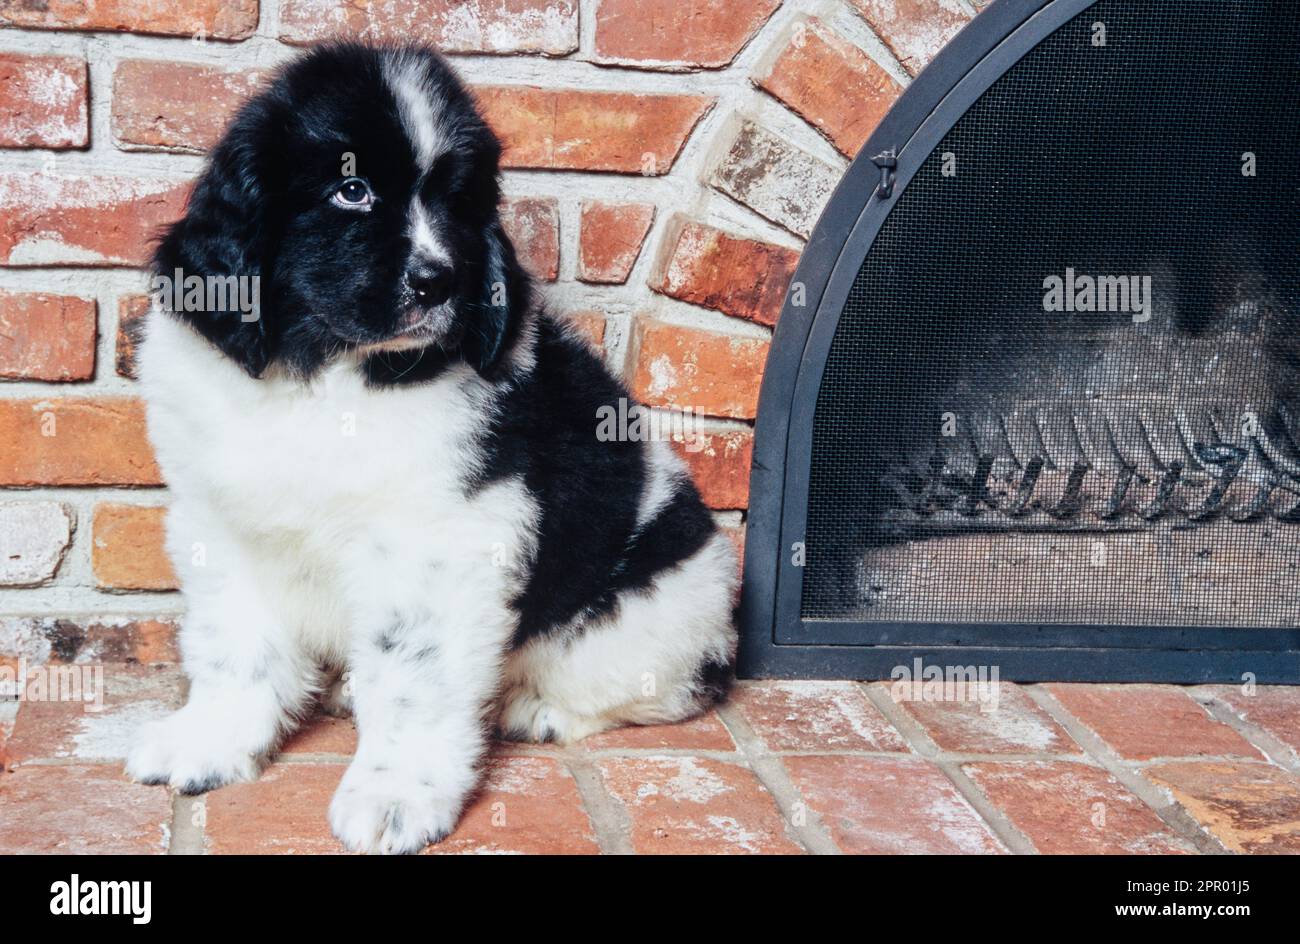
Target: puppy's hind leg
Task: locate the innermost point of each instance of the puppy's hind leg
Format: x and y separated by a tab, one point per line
663	656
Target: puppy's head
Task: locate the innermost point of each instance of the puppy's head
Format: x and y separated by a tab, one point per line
360	190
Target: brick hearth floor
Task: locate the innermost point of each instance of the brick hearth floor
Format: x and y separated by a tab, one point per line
820	767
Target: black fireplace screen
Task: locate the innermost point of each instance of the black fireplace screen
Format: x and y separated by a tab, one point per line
1064	386
980	450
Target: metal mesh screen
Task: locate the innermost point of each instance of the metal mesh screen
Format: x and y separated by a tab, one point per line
997	441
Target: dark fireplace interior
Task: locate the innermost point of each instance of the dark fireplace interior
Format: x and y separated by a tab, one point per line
979	457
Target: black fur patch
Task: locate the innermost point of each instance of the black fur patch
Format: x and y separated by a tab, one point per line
394	368
588	491
204	785
713	680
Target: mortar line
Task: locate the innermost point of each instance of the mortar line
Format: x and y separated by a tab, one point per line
723	756
959	758
1278	752
802	822
1171	813
310	757
915	736
609	819
188	837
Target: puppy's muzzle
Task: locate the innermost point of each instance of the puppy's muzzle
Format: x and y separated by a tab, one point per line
429	283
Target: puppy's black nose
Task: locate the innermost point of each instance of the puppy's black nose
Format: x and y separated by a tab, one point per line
430	282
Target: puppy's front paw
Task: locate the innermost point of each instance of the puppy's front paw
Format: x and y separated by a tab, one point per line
189	753
389	813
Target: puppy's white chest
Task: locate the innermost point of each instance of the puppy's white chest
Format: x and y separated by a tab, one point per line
345	504
275	455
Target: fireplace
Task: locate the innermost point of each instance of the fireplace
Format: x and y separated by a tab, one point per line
1034	397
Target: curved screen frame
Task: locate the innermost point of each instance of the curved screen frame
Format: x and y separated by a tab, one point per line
775	640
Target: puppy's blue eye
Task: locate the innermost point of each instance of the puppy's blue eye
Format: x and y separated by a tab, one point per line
353	193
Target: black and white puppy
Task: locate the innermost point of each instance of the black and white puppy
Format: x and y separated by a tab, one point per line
394	470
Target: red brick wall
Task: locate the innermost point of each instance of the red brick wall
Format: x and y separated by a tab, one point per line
666	159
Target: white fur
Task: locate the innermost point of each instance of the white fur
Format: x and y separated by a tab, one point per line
664	473
315	523
421	233
408	77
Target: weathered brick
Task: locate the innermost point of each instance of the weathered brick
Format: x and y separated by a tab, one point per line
526	805
533	224
127	551
773	177
680	805
1252	809
181	106
47	337
34	536
133	640
719	463
43	101
1074	809
89	726
1275	708
815	716
890	806
914	30
322	734
212	19
566	129
1015	725
106	639
24	637
52	219
688	369
83	441
832	84
736	534
744	278
610	239
587	324
705	733
131	312
1141	722
80	810
676	34
549	27
284	812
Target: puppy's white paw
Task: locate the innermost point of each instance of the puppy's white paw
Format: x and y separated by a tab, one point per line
389	812
190	754
527	717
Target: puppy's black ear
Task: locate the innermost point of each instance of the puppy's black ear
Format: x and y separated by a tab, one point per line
224	234
504	298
